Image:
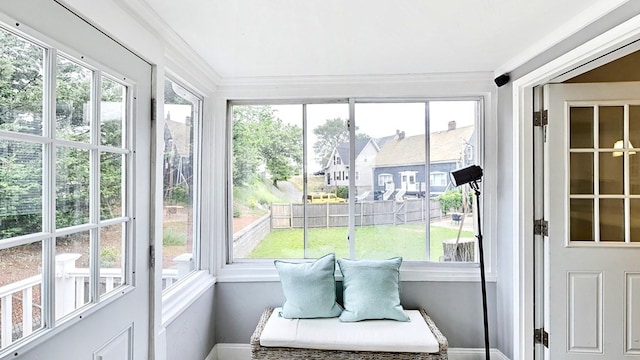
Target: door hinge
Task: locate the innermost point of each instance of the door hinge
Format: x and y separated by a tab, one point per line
541	337
540	118
541	227
152	256
153	110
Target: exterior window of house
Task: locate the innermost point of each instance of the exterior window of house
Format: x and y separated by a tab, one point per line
409	141
180	237
65	193
438	179
384	179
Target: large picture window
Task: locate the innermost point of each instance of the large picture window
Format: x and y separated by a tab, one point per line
284	154
65	175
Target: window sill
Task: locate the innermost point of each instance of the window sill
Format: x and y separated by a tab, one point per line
264	271
183	294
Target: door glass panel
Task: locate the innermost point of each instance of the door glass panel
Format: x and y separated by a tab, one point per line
73	280
581	127
111	185
611	179
610	126
581	173
112	258
581	220
112	112
73	101
611	219
21	286
634	126
72	186
21	85
635	220
20	188
634	173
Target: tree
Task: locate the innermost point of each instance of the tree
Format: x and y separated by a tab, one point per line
331	134
259	138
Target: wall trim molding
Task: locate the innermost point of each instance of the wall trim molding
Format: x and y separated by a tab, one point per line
227	351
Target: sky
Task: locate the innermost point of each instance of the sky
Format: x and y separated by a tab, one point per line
381	119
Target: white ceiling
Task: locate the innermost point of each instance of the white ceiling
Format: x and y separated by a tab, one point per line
256	38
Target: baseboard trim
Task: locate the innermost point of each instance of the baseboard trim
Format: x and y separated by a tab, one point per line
243	352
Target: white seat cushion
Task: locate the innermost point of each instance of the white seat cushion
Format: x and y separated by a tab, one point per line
332	334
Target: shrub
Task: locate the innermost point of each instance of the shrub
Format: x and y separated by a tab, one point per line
172	237
342	192
450	200
109	257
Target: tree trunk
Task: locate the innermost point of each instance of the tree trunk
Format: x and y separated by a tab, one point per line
464	251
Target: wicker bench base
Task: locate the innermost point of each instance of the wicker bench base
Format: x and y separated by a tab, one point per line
283	353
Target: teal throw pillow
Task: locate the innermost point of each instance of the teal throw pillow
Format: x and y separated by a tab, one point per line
309	288
371	290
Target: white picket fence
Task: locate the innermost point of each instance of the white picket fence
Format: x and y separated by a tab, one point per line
70	285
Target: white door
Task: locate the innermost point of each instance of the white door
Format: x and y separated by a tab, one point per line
97	308
592	204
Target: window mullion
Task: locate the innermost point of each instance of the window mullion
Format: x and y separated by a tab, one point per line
49	191
427	184
352	183
305	189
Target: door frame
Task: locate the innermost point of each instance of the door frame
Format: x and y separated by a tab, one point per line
610	45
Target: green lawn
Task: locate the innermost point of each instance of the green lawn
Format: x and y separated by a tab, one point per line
372	242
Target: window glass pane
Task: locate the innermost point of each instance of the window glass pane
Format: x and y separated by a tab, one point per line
72	186
634	173
327	204
73	101
634	126
581	220
611	173
112	112
20	188
581	173
111	185
73	280
180	133
21	290
611	219
635	220
610	125
267	180
453	145
21	84
581	127
112	258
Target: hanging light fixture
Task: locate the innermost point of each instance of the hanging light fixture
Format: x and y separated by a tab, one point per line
620	145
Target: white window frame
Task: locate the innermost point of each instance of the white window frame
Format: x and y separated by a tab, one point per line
477	86
432	178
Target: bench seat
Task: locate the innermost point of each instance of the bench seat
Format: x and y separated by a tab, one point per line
279	338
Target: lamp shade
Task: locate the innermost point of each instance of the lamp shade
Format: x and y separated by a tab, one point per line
466	175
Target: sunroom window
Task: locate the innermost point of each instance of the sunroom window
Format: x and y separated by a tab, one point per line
65	175
180	235
281	153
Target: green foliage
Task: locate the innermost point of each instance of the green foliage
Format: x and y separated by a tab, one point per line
342	192
450	200
329	135
259	138
173	237
21	163
109	257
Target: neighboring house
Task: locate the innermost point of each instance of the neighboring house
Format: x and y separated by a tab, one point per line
400	164
337	167
177	140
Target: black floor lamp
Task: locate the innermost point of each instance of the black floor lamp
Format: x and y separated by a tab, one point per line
472	175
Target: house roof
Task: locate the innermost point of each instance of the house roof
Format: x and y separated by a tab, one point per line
343	150
445	147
